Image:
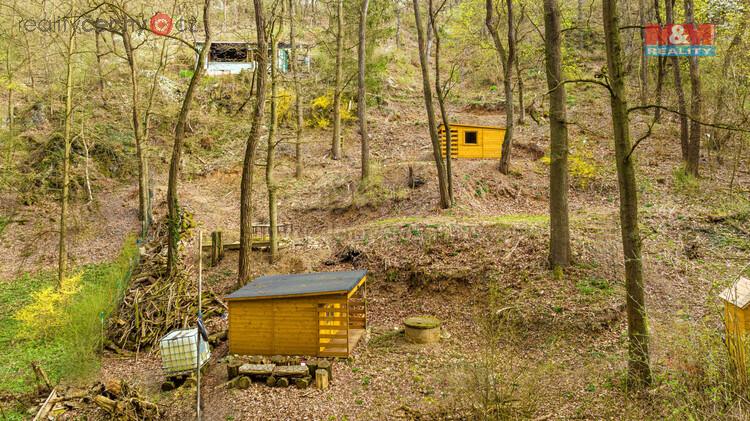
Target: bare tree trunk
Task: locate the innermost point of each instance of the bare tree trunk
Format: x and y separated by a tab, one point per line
427	88
100	72
441	97
11	102
721	105
62	246
581	20
642	10
398	24
179	138
521	105
248	170
361	99
559	242
681	103
639	371
297	92
337	89
143	199
661	70
696	102
506	60
272	187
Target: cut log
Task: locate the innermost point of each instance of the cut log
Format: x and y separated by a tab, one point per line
167	386
291	371
233	369
302	382
215	338
326	365
257	369
241	382
321	379
42	380
312	365
271	381
282	382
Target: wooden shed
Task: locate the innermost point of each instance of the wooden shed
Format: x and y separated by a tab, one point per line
472	141
737	320
322	314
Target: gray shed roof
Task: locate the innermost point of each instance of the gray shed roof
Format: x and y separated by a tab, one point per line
299	284
738	294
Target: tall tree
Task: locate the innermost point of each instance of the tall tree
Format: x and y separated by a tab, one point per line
361	100
445	201
271	185
643	69
179	138
506	61
696	102
294	68
338	88
70	51
248	166
681	102
721	103
639	371
559	241
442	92
144	203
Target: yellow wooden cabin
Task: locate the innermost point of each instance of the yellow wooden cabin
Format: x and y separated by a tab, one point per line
737	320
472	141
322	314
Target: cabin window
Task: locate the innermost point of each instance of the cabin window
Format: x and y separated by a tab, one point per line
228	52
470	138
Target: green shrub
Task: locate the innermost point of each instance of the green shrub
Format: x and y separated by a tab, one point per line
71	348
685	182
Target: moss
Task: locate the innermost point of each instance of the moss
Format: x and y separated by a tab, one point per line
422	322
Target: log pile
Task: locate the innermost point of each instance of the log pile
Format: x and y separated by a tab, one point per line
117	398
157	302
277	371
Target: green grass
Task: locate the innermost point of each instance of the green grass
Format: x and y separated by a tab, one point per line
4	221
70	352
594	286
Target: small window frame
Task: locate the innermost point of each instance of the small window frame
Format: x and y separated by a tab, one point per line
475	135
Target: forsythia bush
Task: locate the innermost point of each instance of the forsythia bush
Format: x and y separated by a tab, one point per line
581	168
321	112
46	311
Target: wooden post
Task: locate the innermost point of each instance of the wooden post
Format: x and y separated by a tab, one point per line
217	248
321	379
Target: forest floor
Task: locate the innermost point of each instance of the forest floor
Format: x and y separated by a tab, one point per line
520	341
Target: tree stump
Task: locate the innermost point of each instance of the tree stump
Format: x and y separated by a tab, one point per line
321	379
233	368
282	382
422	329
326	365
312	365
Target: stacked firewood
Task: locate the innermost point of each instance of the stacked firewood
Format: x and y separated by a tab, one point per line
156	301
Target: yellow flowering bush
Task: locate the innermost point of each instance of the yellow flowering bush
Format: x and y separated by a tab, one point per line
46	311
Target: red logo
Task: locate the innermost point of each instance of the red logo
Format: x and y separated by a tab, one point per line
161	24
680	34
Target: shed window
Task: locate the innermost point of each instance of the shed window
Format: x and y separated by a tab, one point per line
470	138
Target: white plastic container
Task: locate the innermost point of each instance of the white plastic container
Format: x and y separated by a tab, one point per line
178	351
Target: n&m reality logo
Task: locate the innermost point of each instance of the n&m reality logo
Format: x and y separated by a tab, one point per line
680	40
